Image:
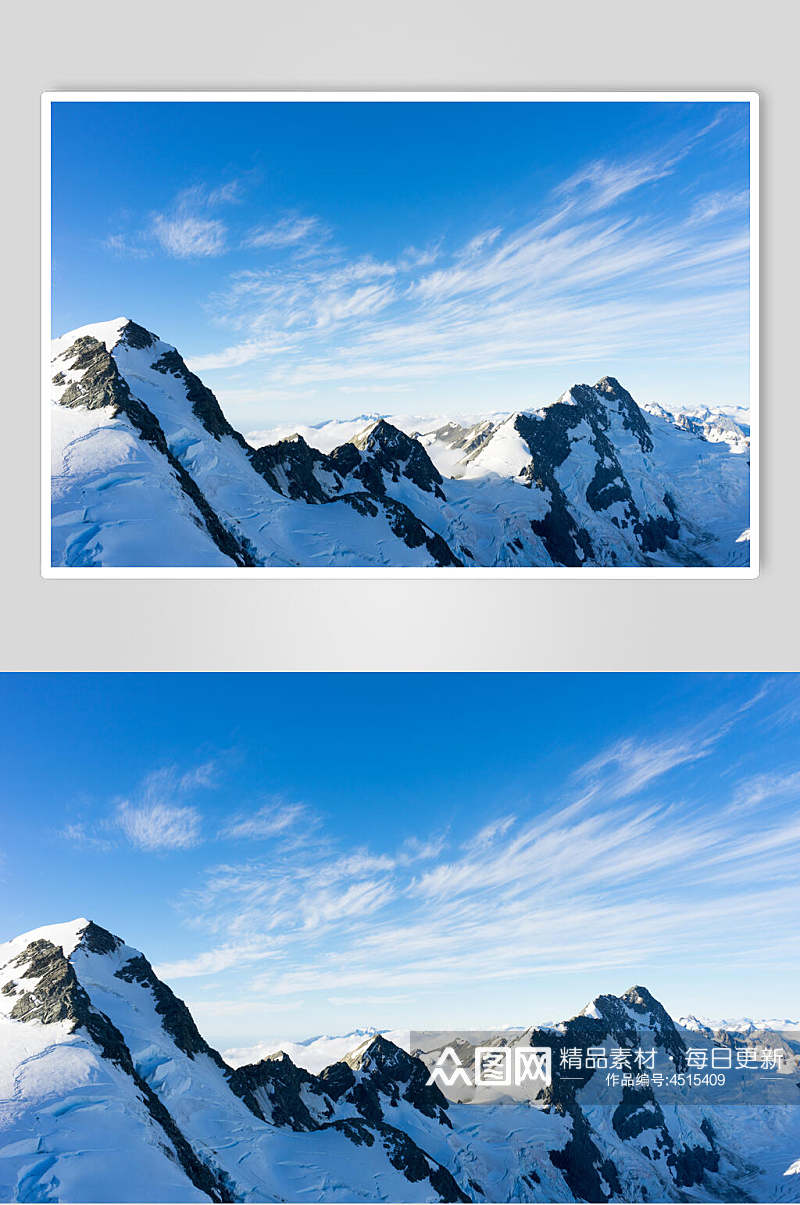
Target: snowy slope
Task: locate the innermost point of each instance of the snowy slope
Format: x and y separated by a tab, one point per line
68	1112
148	471
109	1093
116	499
131	424
740	1025
313	1054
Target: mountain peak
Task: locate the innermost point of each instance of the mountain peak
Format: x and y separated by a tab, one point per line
609	385
601	488
382	434
393	452
376	1050
66	934
135	335
99	940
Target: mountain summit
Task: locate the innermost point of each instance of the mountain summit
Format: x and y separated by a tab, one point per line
148	471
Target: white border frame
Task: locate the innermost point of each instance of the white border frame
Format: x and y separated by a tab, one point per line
465	573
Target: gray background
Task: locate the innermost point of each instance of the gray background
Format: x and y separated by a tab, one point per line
401	624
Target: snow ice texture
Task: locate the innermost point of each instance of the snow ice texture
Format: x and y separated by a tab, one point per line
148	473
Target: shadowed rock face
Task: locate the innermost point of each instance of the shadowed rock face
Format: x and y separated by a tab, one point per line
282	1089
640	1001
276	1084
389	450
175	1016
275	1090
297	471
101	384
589	1174
547	435
58	996
381	1067
361	1096
290	468
632	416
134	335
203	402
607	488
99	941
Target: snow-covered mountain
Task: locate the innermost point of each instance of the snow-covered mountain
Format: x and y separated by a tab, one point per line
313	1054
147	471
108	1092
740	1025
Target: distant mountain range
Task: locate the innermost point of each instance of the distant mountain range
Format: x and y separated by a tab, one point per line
148	472
108	1092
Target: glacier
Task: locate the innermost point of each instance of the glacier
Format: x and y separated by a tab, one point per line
146	471
108	1092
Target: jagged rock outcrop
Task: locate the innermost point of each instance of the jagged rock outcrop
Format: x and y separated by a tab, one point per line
378	1071
590	480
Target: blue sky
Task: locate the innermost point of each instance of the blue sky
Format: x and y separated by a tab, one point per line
310	853
313	260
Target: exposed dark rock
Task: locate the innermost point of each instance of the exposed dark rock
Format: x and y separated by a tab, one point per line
382	1071
692	1162
587	1173
345	459
637	1111
474	438
562	536
403	1153
204	405
581	1161
98	940
405	524
175	1016
362	503
58	996
640	1000
390	450
548	438
655	530
632	417
289	468
275	1085
102	385
136	336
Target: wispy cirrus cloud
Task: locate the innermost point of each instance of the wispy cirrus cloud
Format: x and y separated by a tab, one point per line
80	834
588	278
284	232
187	236
601	183
159	826
718	204
270	820
599	270
628	860
187	229
156	818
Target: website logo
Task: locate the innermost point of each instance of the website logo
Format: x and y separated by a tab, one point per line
495	1066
